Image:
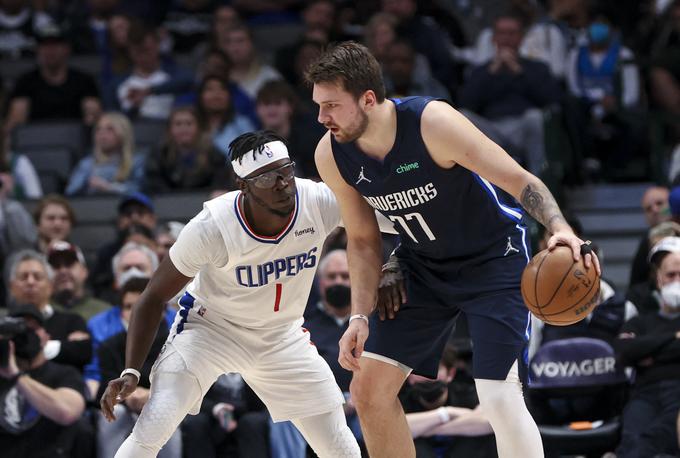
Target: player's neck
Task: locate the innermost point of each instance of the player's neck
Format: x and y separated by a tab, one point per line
380	135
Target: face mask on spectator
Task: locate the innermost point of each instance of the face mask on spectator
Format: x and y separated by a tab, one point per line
670	294
598	33
338	296
132	272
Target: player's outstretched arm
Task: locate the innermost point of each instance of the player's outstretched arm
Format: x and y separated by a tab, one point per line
364	251
146	314
452	139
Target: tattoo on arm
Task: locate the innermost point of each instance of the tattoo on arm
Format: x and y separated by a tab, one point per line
540	204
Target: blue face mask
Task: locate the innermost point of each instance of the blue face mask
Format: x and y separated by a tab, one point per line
598	32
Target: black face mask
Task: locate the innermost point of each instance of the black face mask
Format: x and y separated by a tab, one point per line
64	297
428	393
26	345
338	296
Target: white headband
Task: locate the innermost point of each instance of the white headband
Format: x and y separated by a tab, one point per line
249	162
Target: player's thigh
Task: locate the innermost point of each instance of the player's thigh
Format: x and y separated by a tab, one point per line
293	380
499	329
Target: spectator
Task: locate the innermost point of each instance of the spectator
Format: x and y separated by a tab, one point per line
17	174
113	167
217	113
509	93
651	344
248	70
133	209
188	23
318	19
655	206
40	401
166	236
55	219
276	107
53	90
18	25
444	415
150	89
17	231
644	294
212	432
132	262
380	32
116	61
427	38
603	76
30	282
69	292
215	62
90	33
111	354
401	79
187	158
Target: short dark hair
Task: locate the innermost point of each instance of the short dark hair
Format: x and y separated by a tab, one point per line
252	141
449	357
54	199
133	285
139	32
352	66
276	90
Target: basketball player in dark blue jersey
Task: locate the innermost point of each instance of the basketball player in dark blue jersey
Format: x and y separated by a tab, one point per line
452	194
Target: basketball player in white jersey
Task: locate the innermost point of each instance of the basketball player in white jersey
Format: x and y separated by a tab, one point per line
252	255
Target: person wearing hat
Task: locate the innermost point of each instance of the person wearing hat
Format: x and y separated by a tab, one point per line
650	343
250	257
53	90
69	291
30	282
135	209
41	401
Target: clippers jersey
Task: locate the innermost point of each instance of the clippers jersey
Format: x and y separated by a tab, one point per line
260	282
446	217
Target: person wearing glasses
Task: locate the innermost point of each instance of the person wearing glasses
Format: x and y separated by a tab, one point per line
251	256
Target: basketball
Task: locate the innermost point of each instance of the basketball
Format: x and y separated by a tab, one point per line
559	290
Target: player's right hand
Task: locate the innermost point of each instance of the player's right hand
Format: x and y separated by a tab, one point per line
116	391
391	294
352	345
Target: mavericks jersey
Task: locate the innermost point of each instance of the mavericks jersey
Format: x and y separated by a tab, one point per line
250	280
446	217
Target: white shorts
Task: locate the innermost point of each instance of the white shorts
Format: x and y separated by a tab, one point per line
282	366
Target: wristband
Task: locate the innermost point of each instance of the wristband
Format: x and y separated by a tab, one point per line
132	371
358	316
443	415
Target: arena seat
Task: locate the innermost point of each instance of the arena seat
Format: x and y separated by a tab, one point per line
576	394
53	166
47	135
148	133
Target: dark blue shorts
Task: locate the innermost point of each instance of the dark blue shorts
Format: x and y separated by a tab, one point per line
497	318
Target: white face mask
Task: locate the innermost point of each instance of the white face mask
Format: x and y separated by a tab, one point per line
132	272
670	294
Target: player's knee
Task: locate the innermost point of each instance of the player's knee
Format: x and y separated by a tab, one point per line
365	397
499	397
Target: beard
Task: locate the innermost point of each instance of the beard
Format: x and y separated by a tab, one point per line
353	131
278	212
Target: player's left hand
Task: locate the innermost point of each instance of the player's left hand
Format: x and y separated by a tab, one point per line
578	247
352	345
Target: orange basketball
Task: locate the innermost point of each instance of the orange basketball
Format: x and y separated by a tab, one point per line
559	290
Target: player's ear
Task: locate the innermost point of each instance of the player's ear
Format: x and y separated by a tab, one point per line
368	98
242	185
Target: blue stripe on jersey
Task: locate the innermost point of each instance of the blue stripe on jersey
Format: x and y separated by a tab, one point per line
186	303
263	238
513	213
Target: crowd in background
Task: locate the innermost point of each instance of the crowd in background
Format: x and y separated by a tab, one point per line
577	91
